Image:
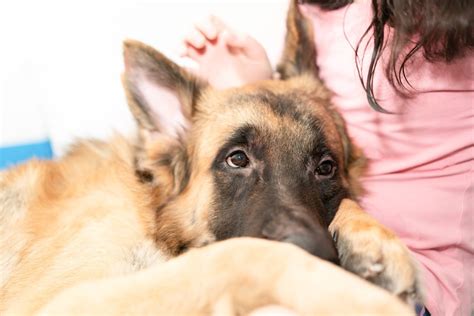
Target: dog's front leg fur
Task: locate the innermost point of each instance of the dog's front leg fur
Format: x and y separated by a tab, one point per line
242	274
373	252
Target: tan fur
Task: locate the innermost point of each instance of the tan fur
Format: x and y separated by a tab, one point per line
87	217
103	229
56	211
293	279
373	244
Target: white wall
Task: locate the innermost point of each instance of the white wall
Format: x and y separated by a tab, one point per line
60	61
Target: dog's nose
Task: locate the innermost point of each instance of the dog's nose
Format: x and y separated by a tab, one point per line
318	244
299	226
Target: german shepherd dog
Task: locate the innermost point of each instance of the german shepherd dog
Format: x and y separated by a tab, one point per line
119	227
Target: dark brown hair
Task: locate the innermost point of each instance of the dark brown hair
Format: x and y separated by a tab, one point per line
442	29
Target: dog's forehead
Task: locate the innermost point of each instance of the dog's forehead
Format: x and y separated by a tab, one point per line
285	112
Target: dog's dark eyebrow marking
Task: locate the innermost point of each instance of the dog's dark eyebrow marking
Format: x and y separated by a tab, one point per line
290	105
242	136
284	105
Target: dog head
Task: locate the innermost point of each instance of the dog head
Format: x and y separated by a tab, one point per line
268	160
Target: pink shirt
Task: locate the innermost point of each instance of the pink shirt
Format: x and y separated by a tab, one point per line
421	160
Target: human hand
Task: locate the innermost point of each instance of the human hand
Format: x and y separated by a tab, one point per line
225	58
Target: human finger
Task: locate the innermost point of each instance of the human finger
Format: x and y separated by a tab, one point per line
195	38
207	28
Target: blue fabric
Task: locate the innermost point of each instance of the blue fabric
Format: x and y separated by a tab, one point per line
11	155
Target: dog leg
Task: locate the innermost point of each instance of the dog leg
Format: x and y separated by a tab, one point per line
239	275
373	252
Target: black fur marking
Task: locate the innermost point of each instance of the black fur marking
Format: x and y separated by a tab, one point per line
182	248
144	175
290	105
279	188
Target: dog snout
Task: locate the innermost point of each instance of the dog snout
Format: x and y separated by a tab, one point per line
320	245
304	232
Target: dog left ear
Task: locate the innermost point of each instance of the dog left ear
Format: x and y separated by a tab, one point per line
161	95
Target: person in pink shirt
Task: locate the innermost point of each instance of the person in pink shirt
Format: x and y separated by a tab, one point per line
401	73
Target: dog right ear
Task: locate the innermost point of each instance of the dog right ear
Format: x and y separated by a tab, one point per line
299	53
161	95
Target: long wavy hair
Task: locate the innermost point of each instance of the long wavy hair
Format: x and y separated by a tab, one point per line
442	29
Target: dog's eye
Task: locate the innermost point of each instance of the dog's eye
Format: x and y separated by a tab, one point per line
326	169
237	159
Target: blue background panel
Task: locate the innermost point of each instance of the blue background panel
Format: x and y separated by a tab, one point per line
11	155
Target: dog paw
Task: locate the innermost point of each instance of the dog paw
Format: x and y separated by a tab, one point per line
377	255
